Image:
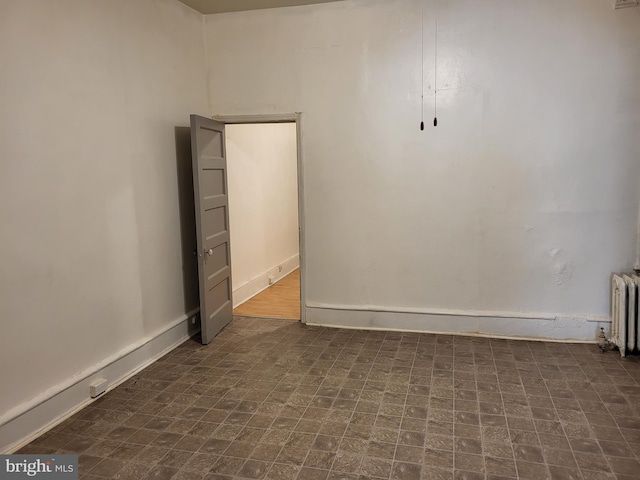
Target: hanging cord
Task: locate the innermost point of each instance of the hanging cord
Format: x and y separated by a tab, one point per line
435	74
422	63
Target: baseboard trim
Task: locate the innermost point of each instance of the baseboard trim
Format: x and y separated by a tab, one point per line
541	327
256	285
29	420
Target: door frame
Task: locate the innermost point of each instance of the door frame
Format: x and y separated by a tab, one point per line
285	118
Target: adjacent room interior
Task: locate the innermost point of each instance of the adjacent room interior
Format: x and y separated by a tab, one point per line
454	280
263	212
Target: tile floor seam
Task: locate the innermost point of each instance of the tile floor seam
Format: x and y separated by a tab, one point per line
404	406
475	379
546	384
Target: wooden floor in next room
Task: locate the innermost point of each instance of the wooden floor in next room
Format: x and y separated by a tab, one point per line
281	300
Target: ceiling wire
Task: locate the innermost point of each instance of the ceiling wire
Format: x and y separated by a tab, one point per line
435	73
435	67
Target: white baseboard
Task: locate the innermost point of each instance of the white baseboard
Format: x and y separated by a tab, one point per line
256	285
508	325
27	421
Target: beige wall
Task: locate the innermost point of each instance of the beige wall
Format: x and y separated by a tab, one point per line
92	242
518	205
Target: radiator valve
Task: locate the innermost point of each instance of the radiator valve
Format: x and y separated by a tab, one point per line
603	342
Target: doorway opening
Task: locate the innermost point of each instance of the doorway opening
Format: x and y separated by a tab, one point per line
264	188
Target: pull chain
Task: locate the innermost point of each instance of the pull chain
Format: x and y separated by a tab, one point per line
422	60
435	74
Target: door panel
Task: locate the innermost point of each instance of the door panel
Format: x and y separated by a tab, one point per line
212	222
217	261
215	222
213	182
219	294
211	140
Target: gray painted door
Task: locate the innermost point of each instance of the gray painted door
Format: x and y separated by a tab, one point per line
212	225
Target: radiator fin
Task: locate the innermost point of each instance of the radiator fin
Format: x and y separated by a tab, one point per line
624	312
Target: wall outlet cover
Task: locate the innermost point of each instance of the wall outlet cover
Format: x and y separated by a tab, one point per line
98	387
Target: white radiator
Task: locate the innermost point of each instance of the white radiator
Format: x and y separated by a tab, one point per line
624	312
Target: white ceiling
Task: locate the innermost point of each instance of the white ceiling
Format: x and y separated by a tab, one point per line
220	6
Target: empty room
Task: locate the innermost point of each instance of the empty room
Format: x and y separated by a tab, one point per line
467	240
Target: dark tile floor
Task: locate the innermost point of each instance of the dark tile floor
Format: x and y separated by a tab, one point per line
272	399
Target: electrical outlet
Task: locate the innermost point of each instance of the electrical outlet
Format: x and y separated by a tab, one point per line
98	387
626	3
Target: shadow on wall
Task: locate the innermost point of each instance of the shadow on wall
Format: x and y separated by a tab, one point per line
186	205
